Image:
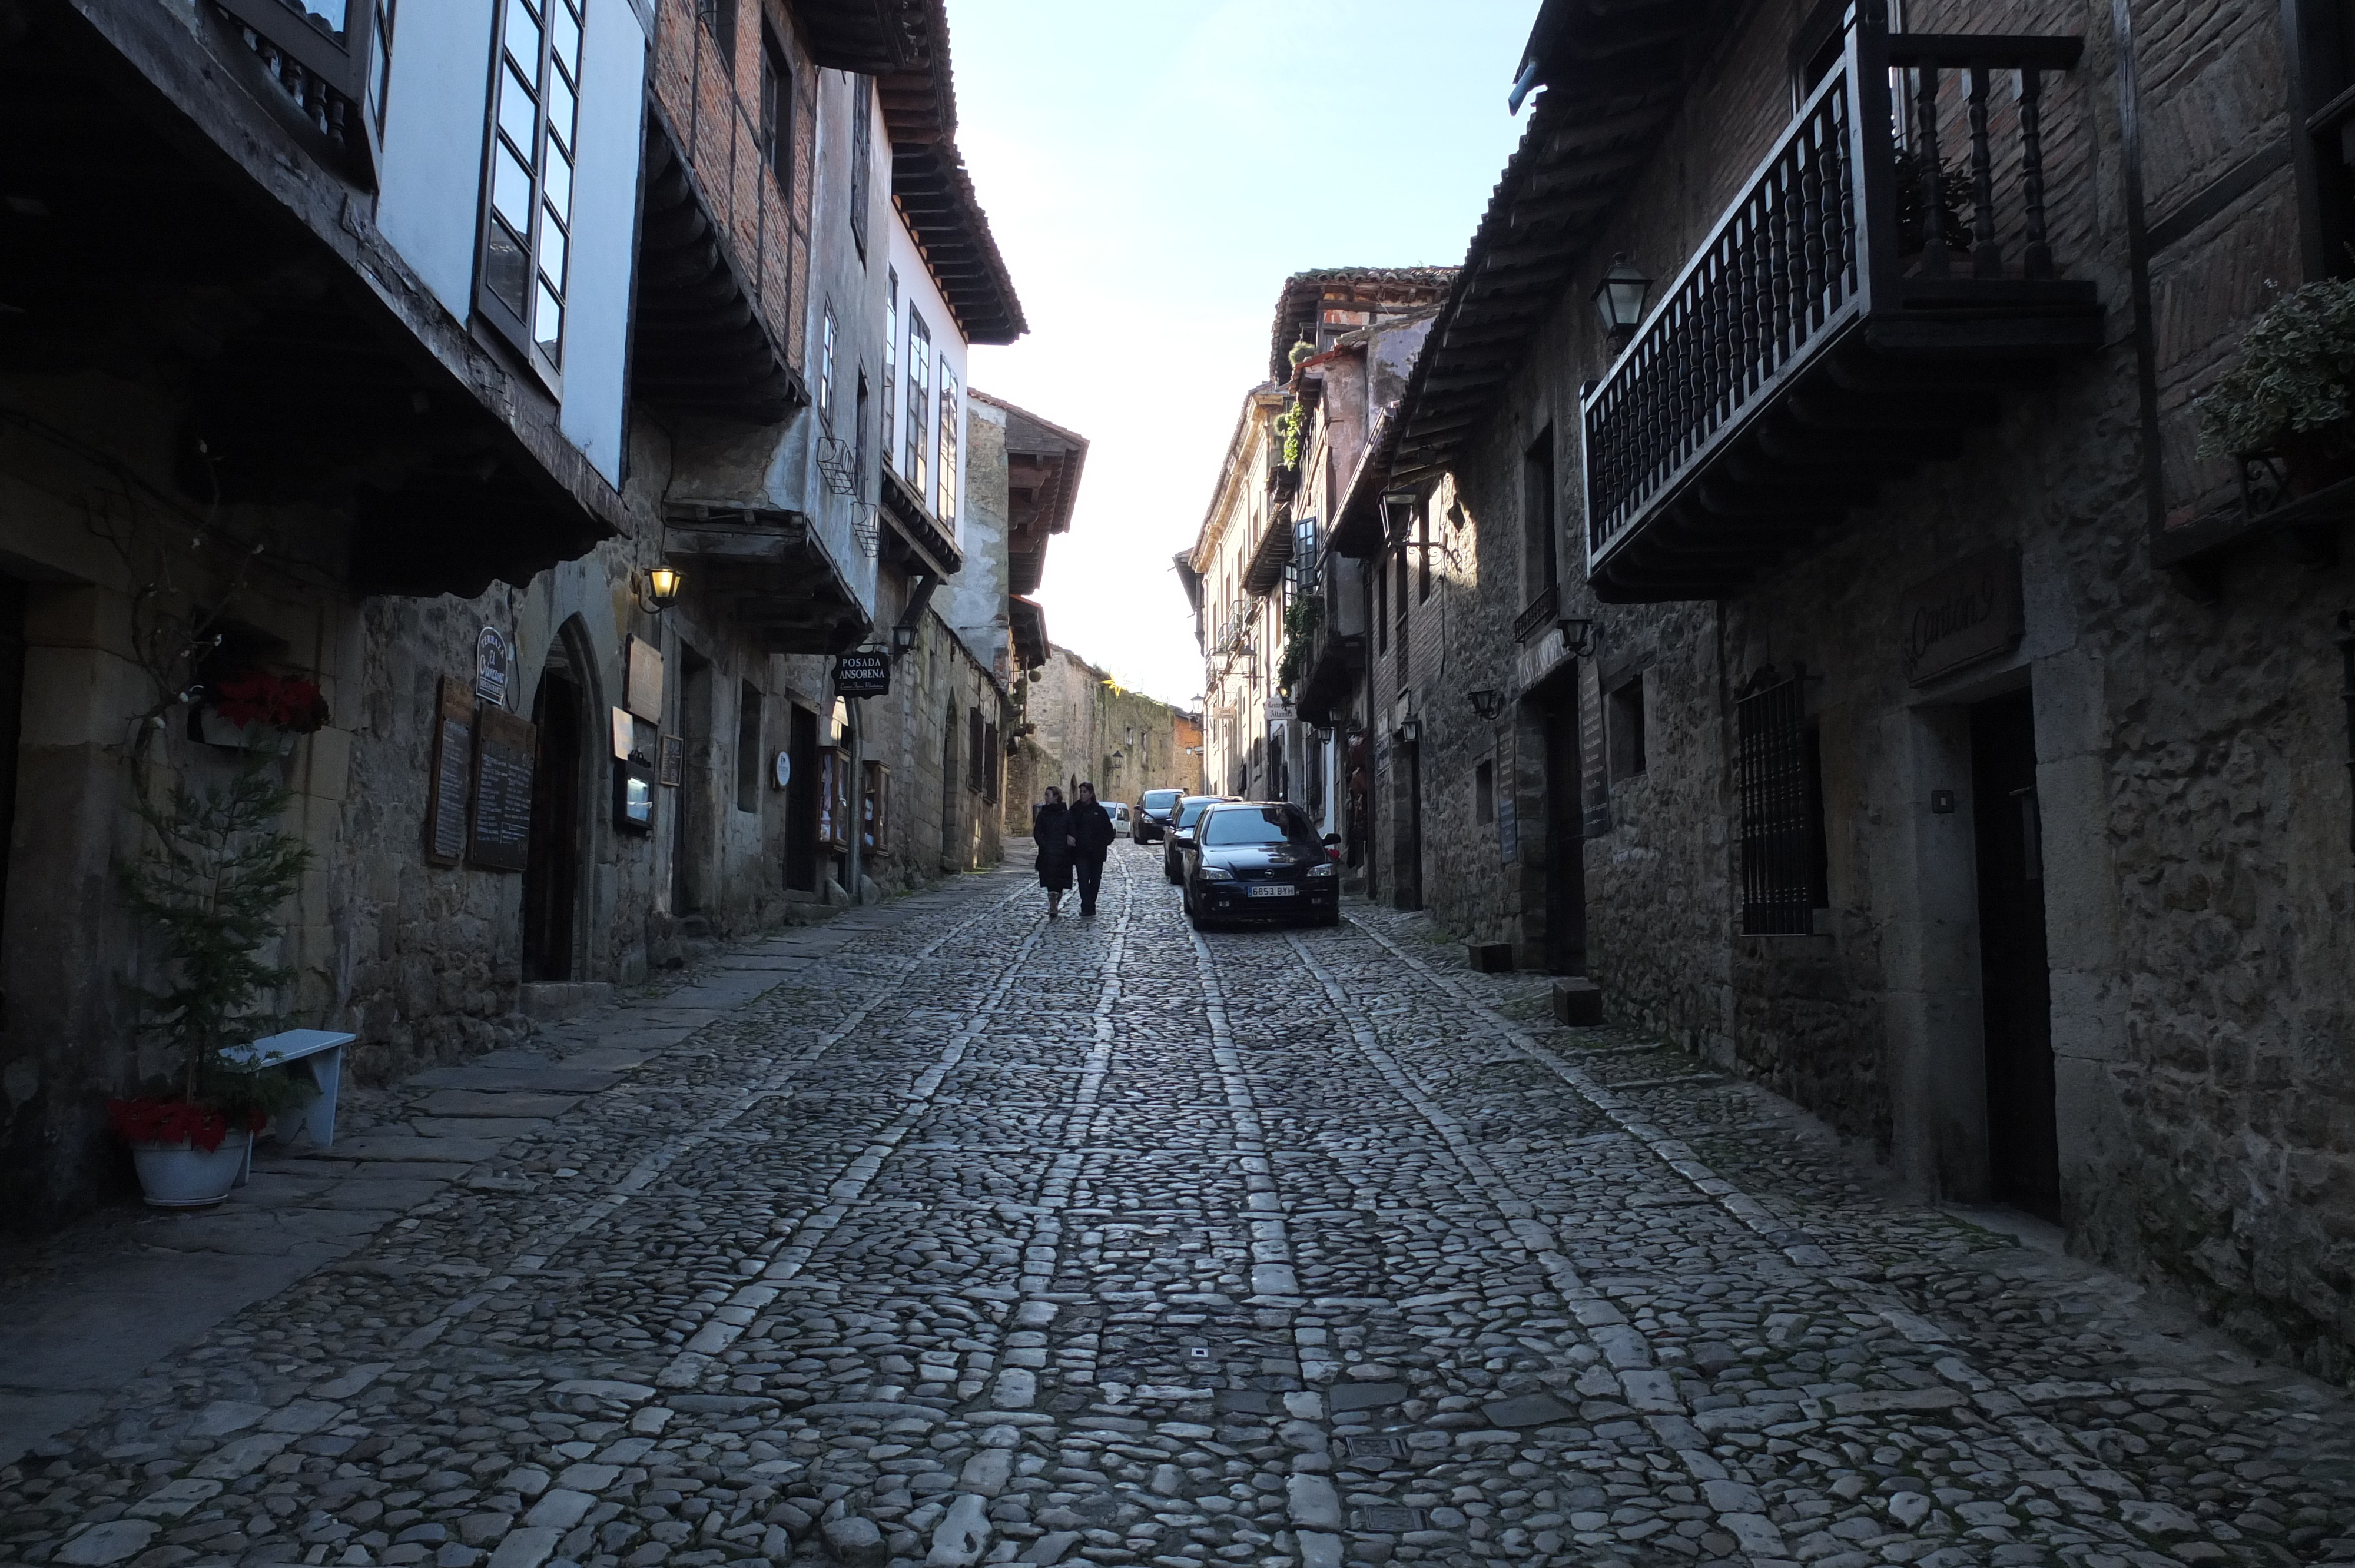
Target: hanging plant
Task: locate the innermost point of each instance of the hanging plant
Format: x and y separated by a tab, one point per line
1301	619
2290	395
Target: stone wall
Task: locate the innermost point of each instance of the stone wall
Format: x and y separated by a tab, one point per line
1086	727
2191	758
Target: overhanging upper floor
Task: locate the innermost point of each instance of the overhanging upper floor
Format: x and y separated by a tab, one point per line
1859	306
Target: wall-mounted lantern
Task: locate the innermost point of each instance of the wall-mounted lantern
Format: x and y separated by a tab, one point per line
657	587
1398	512
1619	301
1578	637
1410	731
904	638
1487	703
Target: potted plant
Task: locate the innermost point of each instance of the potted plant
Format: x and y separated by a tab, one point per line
2289	397
210	879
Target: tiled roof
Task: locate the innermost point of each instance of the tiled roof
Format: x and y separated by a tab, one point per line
1613	74
932	187
1304	293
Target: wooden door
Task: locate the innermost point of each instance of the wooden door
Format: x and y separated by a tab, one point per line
2023	1150
551	871
1565	840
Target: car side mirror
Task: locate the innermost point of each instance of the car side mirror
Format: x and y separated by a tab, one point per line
1332	841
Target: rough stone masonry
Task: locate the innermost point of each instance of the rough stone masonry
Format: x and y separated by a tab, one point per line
1106	1242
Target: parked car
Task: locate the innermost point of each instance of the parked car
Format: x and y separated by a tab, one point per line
1119	812
1152	809
1258	860
1180	824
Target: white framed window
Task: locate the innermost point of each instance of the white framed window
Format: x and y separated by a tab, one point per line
826	369
527	177
915	467
948	465
891	362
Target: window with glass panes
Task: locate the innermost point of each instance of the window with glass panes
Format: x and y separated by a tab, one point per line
526	228
862	157
891	362
776	111
920	354
826	369
948	497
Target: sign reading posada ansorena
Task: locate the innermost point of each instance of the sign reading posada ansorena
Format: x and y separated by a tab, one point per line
862	673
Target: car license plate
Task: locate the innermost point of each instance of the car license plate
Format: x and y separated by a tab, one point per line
1273	890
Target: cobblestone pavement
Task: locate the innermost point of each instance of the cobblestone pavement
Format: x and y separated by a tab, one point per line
1102	1241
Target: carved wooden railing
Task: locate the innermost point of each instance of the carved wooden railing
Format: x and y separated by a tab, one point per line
1813	245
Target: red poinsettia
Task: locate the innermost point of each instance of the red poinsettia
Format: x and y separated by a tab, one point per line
258	698
175	1121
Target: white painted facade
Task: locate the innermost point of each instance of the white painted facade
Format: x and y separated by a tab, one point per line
431	189
921	298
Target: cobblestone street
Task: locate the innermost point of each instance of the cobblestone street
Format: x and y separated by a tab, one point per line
991	1239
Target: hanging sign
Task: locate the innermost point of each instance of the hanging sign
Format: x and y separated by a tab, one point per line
862	673
643	690
492	660
1969	611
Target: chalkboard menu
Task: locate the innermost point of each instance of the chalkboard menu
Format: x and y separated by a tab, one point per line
453	752
503	767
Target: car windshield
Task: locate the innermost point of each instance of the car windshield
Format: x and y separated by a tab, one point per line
1190	809
1259	825
1160	799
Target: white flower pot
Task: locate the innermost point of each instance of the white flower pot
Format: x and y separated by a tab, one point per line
181	1176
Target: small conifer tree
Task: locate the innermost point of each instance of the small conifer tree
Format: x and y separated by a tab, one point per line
210	879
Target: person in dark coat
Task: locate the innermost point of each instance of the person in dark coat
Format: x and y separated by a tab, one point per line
1050	828
1092	834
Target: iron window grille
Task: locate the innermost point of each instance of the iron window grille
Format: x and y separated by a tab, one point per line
1779	777
527	219
975	749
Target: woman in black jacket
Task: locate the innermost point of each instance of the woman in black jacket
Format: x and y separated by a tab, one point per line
1050	828
1091	835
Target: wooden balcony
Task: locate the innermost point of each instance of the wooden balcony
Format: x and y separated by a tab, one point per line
1834	333
769	574
723	250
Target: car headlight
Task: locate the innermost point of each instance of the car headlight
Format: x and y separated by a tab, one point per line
1215	874
1327	869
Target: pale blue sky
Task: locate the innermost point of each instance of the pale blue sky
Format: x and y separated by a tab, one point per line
1152	174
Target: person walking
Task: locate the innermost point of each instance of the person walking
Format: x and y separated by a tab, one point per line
1050	828
1092	834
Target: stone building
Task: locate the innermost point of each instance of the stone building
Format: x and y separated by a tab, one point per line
1074	724
1342	341
1834	640
564	471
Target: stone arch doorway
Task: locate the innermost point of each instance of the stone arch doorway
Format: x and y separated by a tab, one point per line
556	851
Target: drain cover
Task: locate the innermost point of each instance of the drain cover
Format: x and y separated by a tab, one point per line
1390	1520
1377	1447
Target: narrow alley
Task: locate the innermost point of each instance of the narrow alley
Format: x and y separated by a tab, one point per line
980	1238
